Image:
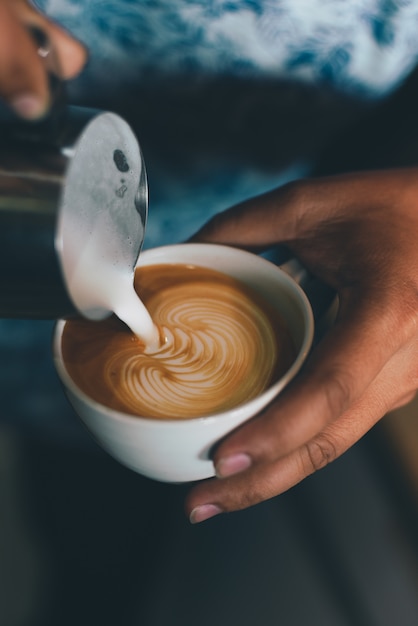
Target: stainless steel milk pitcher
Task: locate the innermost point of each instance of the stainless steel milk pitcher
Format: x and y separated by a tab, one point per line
73	202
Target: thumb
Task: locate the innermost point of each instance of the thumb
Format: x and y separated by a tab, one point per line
259	222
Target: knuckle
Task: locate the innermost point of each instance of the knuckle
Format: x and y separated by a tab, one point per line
247	500
403	401
337	392
252	491
398	312
407	318
295	195
318	453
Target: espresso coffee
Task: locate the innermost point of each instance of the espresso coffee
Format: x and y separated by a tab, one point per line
221	344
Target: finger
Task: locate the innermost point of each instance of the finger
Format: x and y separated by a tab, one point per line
337	374
25	67
406	399
256	223
68	55
23	82
266	480
285	214
305	209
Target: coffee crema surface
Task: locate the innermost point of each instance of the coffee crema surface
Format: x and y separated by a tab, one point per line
221	345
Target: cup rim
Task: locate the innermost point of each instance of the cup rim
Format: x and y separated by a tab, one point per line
266	396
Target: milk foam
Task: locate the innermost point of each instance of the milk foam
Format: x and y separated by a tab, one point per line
113	289
126	304
206	361
221	348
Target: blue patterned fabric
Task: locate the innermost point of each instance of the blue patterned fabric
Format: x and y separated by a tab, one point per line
297	66
362	45
229	98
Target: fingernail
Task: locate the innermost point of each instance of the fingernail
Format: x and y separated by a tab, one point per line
204	512
28	106
232	465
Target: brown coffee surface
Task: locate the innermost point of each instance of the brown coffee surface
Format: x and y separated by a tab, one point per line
222	345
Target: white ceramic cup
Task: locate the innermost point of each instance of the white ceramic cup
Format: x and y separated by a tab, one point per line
179	450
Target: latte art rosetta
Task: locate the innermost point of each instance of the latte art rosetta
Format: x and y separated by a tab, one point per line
220	348
204	366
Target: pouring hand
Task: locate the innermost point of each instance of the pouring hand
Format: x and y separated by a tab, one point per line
23	68
358	233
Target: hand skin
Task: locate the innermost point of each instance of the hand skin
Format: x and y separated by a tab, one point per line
23	72
358	233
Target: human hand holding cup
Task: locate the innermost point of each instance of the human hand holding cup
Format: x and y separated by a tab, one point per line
179	449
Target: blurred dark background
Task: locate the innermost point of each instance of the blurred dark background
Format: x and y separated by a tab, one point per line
86	542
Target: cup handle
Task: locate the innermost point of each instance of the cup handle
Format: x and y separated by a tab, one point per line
323	298
297	271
